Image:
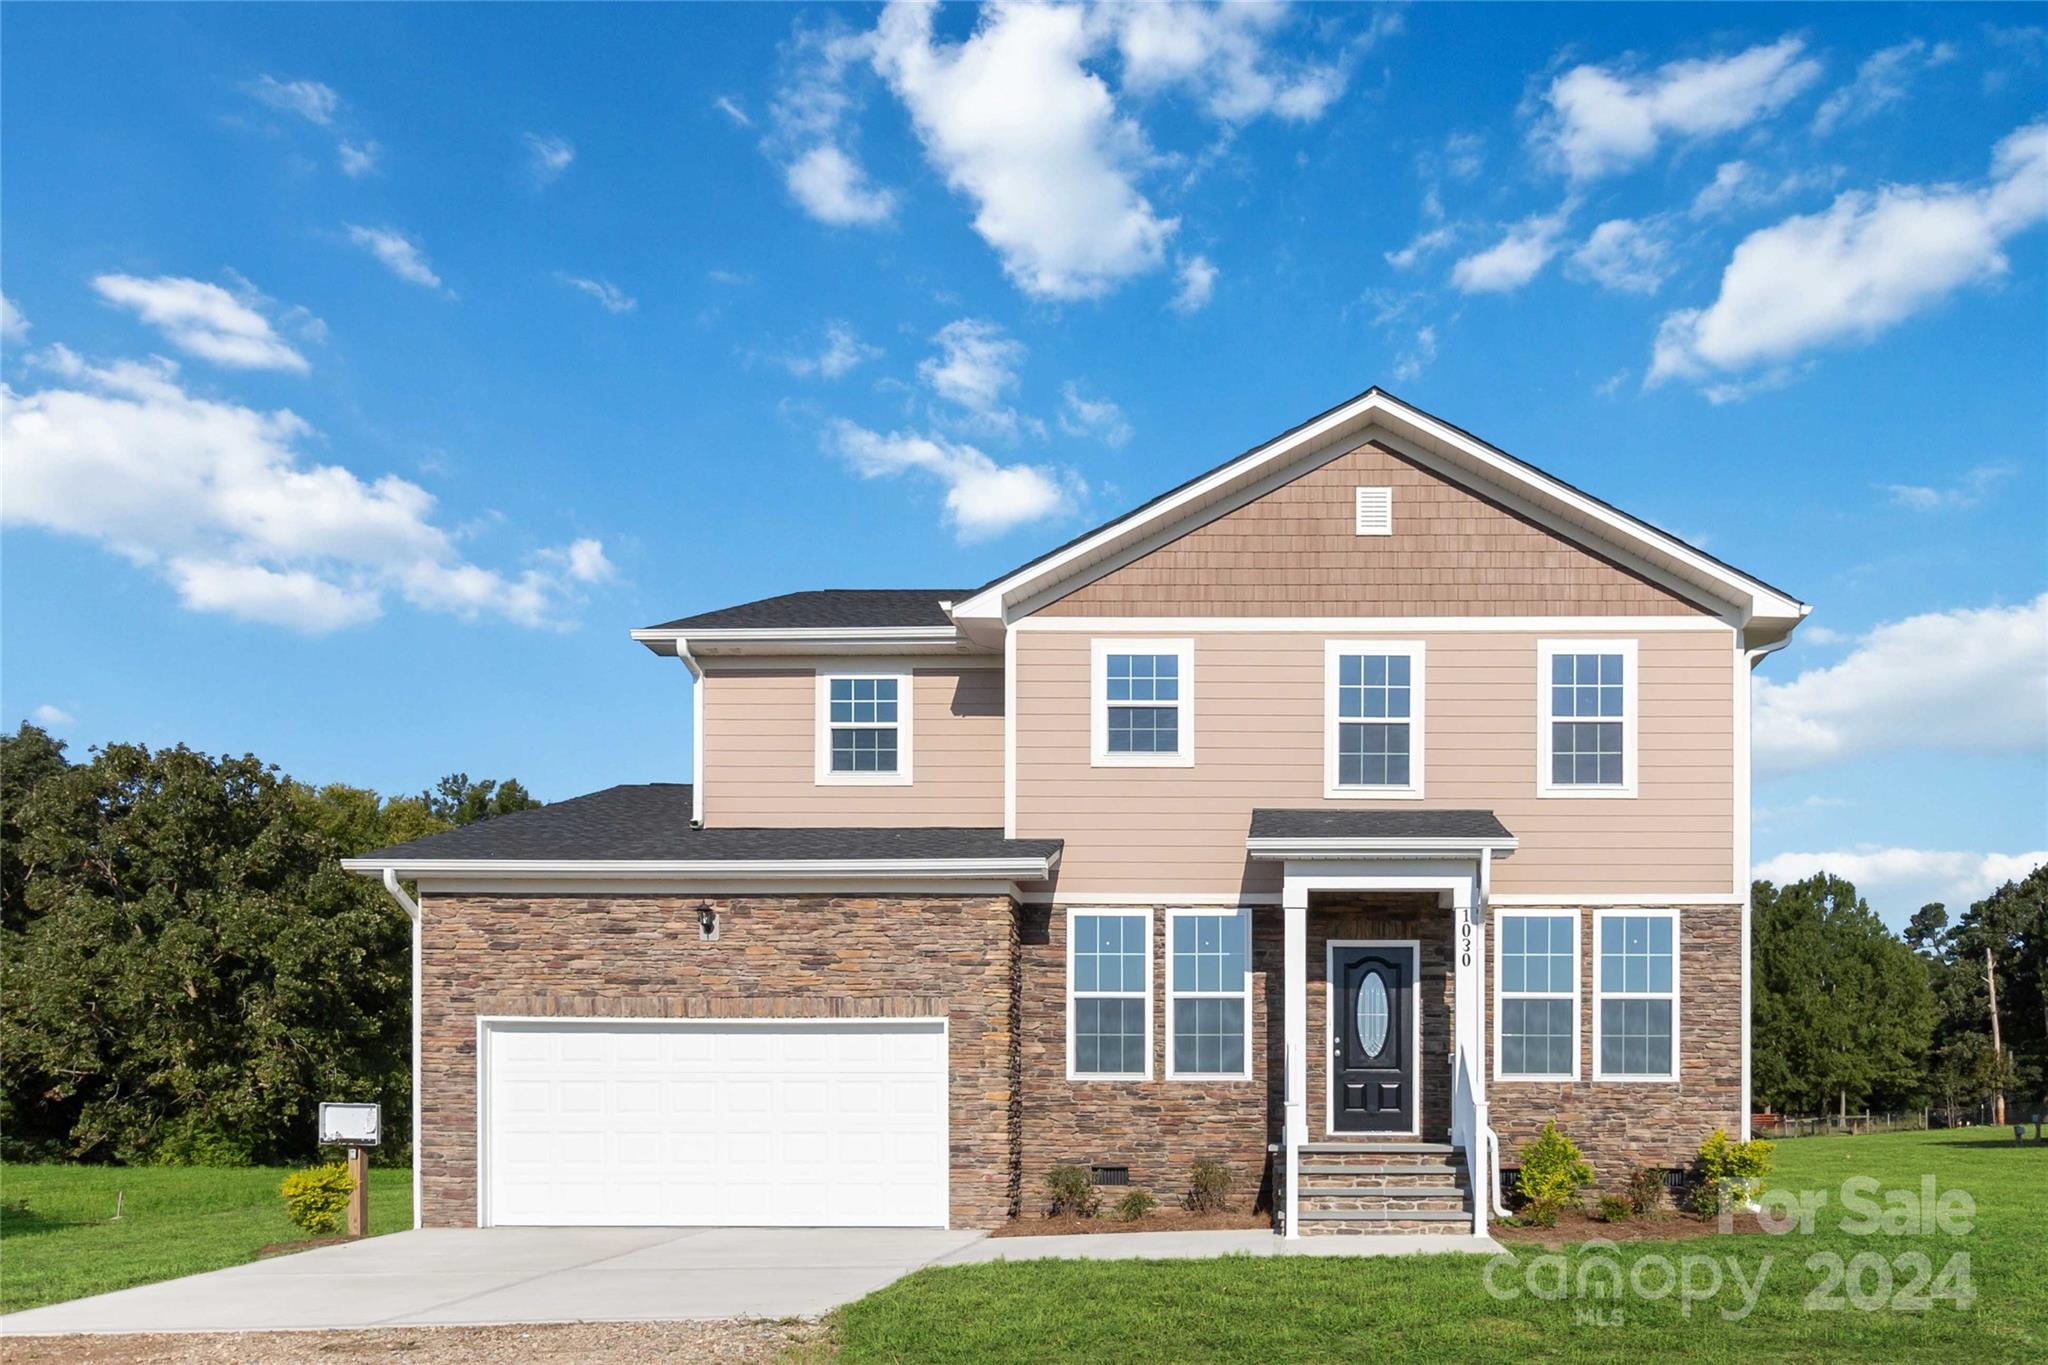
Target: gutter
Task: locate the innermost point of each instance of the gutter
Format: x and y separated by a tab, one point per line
1294	849
412	914
1037	868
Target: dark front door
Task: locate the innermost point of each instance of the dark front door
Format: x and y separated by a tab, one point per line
1372	1039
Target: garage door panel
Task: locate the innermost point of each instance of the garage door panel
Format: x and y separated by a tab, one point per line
690	1124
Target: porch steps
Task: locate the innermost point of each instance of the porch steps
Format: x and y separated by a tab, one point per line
1375	1188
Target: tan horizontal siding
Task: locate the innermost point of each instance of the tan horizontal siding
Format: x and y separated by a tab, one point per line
1259	715
1295	552
760	753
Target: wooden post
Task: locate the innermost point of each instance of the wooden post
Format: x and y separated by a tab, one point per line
359	1192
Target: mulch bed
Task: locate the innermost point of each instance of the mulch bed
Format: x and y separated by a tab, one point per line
287	1248
1159	1220
1574	1225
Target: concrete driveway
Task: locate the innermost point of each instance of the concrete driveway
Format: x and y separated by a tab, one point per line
465	1276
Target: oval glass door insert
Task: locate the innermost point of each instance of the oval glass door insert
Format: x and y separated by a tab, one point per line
1372	1014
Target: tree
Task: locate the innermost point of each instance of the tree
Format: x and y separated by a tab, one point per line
1842	1010
2009	930
460	801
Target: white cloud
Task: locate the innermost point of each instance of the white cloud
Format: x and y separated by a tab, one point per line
976	369
730	107
1971	680
612	298
13	325
1221	53
834	189
1425	243
983	498
1416	357
1811	634
547	156
310	100
1019	125
204	320
1868	262
842	352
1197	285
1739	185
1965	493
220	500
399	253
359	159
52	717
1603	120
1885	78
582	560
1902	880
1081	415
1625	255
1515	259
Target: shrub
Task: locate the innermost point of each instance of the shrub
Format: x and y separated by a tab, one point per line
1070	1191
1135	1205
1552	1175
1730	1172
317	1199
1209	1185
1645	1190
1615	1209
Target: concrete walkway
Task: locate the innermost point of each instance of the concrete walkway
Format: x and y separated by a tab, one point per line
476	1276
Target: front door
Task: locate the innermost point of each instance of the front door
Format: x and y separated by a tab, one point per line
1372	1038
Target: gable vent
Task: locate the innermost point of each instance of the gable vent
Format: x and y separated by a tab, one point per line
1375	511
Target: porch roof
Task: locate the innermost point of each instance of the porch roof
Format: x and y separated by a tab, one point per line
1327	833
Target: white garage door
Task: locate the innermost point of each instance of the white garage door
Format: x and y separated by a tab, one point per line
835	1123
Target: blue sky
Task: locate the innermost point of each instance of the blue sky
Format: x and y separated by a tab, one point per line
372	370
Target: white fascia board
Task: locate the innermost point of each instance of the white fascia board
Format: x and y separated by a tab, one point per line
1375	848
818	640
691	869
1756	599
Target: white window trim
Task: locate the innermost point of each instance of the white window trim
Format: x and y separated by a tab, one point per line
1500	992
906	710
1098	669
1417	655
1244	993
1546	650
1120	912
1600	917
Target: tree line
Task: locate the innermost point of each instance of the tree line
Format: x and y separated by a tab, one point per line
1850	1016
185	970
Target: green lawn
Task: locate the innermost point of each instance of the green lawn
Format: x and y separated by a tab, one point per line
176	1221
1438	1307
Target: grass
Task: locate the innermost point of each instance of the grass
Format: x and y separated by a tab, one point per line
175	1221
1438	1307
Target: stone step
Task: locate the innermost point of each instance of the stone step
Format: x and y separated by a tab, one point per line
1442	1170
1322	1192
1371	1222
1309	1149
1322	1203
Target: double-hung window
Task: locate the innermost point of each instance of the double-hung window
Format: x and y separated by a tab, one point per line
864	727
1372	718
1208	994
1536	996
1144	703
1586	718
1109	995
1635	996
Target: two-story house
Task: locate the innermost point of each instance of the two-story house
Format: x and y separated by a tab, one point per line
1340	815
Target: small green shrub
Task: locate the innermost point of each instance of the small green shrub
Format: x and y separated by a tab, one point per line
317	1199
191	1141
1070	1192
1552	1174
1615	1209
1645	1190
1730	1172
1135	1205
1209	1186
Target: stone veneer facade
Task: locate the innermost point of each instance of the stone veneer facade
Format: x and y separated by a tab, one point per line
997	972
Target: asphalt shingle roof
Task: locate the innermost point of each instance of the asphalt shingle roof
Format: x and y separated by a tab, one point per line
828	608
652	822
1377	824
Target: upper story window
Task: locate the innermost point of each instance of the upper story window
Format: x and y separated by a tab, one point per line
1109	995
1373	718
1208	994
864	727
1144	703
1536	1000
1635	996
1586	718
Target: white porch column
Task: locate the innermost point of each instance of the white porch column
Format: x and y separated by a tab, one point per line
1294	1014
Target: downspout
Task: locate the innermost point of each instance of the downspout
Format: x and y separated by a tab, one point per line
1751	657
412	913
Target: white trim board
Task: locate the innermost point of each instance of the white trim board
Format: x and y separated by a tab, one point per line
1363	625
